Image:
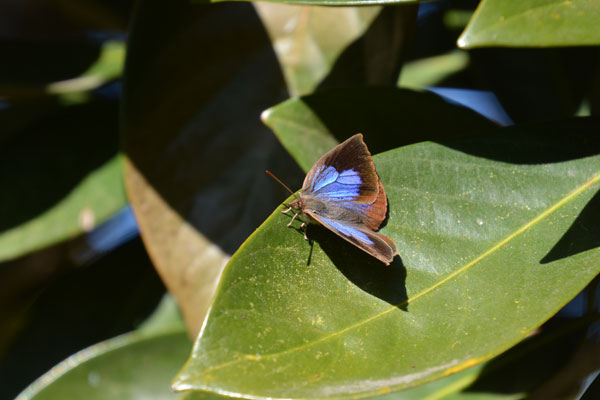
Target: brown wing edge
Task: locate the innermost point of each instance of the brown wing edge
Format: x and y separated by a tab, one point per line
378	210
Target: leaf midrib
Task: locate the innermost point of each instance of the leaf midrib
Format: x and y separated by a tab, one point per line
547	212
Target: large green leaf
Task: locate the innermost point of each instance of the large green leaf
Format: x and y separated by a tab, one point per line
389	117
335	46
476	223
533	23
61	307
196	149
137	365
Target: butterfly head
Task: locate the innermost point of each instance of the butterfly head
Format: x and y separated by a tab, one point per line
297	204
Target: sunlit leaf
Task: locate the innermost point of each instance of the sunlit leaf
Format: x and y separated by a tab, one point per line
533	24
474	222
338	46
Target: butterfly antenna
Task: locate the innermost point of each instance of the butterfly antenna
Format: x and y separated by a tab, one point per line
281	183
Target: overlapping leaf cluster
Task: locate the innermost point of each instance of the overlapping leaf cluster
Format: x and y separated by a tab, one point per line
492	177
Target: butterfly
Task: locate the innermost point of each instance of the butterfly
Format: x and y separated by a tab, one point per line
343	193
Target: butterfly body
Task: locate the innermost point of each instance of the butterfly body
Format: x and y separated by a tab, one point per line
343	193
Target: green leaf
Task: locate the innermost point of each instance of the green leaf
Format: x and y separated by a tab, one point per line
126	367
195	163
388	117
56	187
98	196
534	23
308	40
109	66
432	70
137	365
321	47
330	2
475	222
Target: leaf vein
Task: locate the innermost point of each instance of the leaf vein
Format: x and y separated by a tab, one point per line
547	212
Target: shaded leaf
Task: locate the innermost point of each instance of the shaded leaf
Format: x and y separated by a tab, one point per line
338	46
64	176
48	42
137	365
533	24
109	66
196	150
537	84
388	117
291	321
65	307
430	71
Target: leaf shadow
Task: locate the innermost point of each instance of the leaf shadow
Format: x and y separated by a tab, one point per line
391	117
582	235
533	361
202	152
534	143
386	282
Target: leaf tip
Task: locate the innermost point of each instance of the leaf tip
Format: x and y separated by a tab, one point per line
462	41
265	115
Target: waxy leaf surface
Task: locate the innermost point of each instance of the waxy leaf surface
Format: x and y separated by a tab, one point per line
495	235
321	47
536	23
137	365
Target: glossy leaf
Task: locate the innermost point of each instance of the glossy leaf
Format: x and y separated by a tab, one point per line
64	306
321	47
533	24
388	117
137	365
475	222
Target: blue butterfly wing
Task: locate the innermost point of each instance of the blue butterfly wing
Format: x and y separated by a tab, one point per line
379	246
330	184
345	173
345	177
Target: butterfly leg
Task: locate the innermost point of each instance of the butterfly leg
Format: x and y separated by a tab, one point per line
293	218
303	227
287	210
